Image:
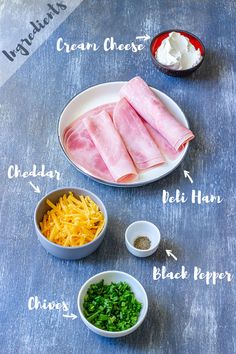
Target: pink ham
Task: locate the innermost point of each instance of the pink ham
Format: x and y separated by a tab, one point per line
68	131
108	107
138	141
111	147
81	149
152	110
166	149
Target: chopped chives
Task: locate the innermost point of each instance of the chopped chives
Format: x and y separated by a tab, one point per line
111	307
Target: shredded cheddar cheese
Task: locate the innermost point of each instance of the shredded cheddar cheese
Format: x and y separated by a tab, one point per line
72	221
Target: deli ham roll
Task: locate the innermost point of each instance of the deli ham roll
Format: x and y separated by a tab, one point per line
82	151
166	149
111	147
138	141
80	147
153	111
108	107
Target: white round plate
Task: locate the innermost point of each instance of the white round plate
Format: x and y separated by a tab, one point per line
107	93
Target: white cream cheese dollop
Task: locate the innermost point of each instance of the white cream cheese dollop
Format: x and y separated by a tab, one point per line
177	52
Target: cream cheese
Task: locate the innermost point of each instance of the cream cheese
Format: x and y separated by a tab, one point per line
177	52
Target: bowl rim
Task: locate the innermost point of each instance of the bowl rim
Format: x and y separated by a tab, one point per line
69	189
152	248
102	331
166	66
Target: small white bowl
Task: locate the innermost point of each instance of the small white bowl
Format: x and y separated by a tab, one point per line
115	277
142	228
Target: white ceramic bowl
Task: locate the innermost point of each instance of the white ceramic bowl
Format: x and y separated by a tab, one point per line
59	251
142	228
115	277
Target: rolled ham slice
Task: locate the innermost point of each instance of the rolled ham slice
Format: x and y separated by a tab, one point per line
153	111
108	107
111	147
82	151
138	141
166	149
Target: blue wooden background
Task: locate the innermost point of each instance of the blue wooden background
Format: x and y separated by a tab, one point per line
184	316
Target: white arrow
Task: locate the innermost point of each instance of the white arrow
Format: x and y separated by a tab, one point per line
186	174
146	37
169	253
72	316
36	188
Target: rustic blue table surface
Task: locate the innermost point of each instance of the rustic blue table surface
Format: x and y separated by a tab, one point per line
184	316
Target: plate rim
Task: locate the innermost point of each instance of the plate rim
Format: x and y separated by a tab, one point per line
115	184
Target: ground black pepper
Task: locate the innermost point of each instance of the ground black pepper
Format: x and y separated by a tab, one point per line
142	243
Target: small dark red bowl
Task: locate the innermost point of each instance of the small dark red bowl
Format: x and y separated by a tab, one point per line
194	40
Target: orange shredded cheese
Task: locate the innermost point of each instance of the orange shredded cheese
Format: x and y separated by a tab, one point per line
72	221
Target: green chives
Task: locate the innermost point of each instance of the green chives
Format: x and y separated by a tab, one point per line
111	307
